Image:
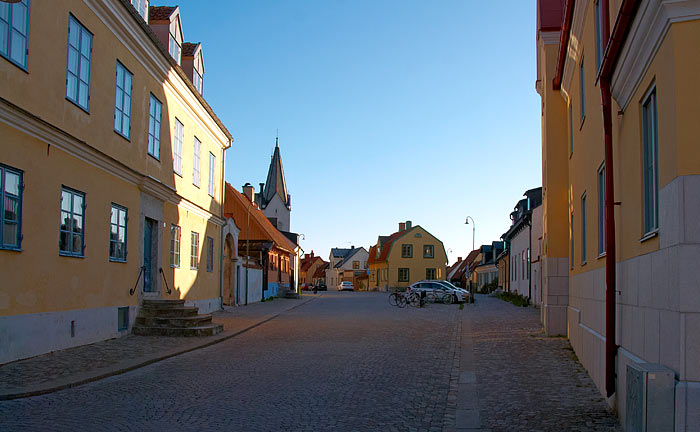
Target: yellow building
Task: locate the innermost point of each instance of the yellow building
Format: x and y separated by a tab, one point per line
111	165
631	292
409	255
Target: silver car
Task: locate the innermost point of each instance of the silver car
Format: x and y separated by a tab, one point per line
438	287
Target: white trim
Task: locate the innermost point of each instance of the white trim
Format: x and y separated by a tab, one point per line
575	47
650	25
550	37
130	34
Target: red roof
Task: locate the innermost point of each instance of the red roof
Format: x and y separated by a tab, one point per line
189	48
386	247
160	13
307	262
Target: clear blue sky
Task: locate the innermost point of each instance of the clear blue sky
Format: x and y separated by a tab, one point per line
388	110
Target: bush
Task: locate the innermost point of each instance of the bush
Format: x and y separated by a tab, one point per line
516	299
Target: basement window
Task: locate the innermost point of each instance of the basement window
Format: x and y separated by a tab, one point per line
123	318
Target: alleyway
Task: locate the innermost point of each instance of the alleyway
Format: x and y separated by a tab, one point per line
345	361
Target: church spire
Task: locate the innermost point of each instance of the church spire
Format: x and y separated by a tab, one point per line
275	184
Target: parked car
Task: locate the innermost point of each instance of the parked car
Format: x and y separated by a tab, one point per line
320	286
435	286
346	286
306	287
451	285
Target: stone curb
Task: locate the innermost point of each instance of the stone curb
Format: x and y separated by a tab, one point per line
127	366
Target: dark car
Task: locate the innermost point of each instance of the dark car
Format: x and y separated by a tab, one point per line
320	286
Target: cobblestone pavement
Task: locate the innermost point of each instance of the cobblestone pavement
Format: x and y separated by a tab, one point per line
81	361
528	382
346	361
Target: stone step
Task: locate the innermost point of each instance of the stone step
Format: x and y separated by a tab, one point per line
163	304
171	312
179	322
207	330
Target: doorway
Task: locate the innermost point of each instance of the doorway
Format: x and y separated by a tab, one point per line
150	257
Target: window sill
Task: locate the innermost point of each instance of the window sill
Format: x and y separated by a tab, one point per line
601	255
70	255
194	268
122	135
583	120
584	263
78	105
23	68
115	260
177	173
649	235
10	249
196	185
154	157
174	266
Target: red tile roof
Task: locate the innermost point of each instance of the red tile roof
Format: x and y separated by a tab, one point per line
189	48
386	247
307	262
237	206
160	13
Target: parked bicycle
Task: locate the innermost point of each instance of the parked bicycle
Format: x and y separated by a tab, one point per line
397	299
439	296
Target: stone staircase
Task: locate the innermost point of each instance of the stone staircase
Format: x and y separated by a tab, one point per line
173	318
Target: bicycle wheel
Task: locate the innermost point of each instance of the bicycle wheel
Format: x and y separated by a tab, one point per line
447	299
414	300
430	297
400	301
393	299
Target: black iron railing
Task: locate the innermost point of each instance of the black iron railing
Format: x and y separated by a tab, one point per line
167	288
133	290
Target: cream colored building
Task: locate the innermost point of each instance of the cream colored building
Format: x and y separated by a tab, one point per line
112	164
631	286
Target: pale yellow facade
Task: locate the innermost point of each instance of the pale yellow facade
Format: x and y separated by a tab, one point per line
398	270
51	301
654	88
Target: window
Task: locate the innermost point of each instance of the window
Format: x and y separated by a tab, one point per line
72	234
14	27
571	236
571	129
141	7
194	251
601	210
582	82
355	265
650	169
430	274
197	81
583	229
523	265
174	47
78	68
117	233
174	246
177	147
212	167
123	318
197	162
11	187
406	251
527	260
403	275
154	111
210	254
122	101
428	251
598	35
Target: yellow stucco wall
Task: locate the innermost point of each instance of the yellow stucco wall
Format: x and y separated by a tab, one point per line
37	279
418	264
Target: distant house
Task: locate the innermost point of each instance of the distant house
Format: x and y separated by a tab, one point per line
264	251
346	265
310	264
482	270
523	238
408	255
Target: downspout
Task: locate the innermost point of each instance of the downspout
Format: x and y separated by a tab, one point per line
626	13
529	259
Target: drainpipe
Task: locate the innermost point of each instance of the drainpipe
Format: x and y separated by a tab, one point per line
626	13
529	260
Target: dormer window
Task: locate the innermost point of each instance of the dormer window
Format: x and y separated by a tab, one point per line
141	7
174	48
175	39
197	81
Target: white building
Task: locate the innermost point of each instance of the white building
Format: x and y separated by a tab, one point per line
346	264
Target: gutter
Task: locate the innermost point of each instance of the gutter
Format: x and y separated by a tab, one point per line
626	14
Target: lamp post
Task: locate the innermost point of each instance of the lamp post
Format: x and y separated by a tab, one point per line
471	290
473	229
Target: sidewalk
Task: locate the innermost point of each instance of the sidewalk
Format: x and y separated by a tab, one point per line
75	366
511	377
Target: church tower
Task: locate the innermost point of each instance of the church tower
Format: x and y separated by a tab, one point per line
273	199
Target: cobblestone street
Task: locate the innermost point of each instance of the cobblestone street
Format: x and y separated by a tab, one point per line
345	361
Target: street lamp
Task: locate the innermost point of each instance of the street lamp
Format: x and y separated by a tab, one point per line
473	229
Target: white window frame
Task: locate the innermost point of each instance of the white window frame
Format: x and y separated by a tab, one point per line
650	167
178	131
197	162
212	174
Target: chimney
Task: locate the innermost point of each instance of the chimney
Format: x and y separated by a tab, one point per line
459	259
312	253
262	187
409	224
402	226
248	191
352	247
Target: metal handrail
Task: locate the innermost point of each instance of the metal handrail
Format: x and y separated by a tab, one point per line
133	290
167	288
